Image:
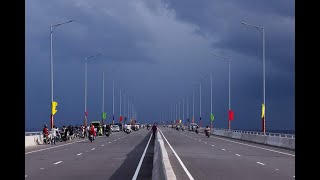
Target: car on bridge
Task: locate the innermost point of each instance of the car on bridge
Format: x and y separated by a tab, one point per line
115	128
192	126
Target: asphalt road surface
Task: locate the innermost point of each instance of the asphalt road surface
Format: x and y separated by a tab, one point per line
217	158
118	156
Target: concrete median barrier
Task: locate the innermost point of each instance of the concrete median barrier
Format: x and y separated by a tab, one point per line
162	168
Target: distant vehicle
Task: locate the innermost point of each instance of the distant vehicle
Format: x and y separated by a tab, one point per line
192	126
97	127
120	125
115	128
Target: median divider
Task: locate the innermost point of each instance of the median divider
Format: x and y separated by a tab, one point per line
162	168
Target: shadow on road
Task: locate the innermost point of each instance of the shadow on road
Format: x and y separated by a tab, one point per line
128	167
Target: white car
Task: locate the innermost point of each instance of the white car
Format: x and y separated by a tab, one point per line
115	128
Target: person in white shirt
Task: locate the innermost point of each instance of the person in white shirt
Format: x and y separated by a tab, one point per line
54	135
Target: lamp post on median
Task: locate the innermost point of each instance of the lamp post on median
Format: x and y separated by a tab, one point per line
85	87
229	64
261	29
52	27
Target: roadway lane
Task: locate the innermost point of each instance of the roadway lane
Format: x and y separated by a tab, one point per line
114	157
218	158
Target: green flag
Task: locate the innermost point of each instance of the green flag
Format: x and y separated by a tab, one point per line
211	117
104	115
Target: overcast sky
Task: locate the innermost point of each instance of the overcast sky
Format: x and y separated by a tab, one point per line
156	52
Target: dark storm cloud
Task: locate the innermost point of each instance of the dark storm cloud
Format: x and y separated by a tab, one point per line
157	49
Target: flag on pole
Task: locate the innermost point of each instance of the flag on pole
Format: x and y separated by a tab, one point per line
120	118
231	115
54	105
211	117
180	121
263	109
104	115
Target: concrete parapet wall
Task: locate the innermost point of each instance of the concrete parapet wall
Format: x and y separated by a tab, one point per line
278	141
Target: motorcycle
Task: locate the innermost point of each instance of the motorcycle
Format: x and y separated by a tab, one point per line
208	134
108	132
128	130
91	137
197	131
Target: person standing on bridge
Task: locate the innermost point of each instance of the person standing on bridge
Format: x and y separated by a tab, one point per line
54	135
154	130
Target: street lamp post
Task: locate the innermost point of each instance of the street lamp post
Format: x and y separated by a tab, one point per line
261	29
112	102
102	97
229	64
200	107
193	107
52	27
211	100
85	87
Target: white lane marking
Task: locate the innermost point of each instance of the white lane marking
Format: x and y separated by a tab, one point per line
25	176
199	140
41	168
79	154
293	176
277	169
93	149
205	142
256	147
52	147
102	144
115	140
238	155
141	159
212	145
109	142
260	163
58	162
223	149
181	163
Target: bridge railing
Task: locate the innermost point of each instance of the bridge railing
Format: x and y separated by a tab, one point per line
34	133
292	136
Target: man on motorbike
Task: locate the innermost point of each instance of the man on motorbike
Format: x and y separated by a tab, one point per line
207	131
92	131
108	129
45	133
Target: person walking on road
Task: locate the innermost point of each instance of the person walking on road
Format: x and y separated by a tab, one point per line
154	130
54	135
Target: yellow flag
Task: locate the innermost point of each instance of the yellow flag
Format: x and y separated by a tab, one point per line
54	105
263	108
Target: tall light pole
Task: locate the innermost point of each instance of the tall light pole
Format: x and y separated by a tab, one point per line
261	29
176	112
120	105
200	107
124	109
229	64
179	112
112	102
187	110
193	107
182	110
85	87
211	100
102	97
52	27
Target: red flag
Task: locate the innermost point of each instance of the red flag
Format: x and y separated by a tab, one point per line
120	118
231	115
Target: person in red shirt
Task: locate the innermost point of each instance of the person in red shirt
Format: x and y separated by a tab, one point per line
45	133
92	131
